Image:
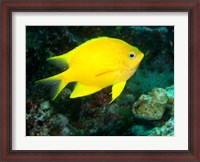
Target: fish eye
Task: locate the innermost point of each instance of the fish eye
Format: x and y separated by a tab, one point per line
131	55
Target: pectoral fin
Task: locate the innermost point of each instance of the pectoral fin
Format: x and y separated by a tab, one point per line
117	90
83	90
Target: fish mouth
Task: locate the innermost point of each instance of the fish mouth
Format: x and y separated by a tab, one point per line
142	56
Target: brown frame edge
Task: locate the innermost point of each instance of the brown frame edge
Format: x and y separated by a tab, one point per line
9	6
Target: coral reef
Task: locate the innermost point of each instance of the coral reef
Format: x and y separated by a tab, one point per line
166	130
42	122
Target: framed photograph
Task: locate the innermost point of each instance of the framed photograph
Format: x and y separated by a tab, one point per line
100	81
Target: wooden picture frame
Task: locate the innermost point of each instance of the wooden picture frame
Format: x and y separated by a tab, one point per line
9	6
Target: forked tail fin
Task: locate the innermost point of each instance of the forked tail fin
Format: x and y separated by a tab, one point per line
56	82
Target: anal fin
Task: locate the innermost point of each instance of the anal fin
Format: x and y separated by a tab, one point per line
83	90
117	90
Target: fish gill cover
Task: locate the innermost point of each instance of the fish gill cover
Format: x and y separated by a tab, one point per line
145	107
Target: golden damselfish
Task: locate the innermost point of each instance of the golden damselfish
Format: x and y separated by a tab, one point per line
94	65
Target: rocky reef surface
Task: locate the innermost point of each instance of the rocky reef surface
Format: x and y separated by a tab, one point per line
158	108
153	105
145	107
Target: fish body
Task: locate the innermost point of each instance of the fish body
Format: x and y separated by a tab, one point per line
94	65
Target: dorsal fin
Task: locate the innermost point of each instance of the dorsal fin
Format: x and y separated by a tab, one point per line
62	61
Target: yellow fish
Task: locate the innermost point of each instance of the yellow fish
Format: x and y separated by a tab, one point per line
94	65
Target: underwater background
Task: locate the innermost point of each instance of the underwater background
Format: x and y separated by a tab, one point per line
144	108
